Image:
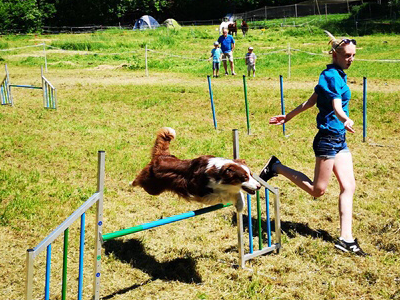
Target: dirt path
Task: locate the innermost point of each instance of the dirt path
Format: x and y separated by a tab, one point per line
117	75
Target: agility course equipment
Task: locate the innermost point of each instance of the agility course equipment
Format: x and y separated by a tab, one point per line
364	108
164	221
240	229
282	101
246	104
212	101
239	215
95	199
49	91
6	98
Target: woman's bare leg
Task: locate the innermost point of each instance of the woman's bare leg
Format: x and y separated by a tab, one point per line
344	173
322	174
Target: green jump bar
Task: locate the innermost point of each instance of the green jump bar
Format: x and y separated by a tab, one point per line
26	86
160	222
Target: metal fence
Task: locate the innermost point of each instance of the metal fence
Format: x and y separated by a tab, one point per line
298	10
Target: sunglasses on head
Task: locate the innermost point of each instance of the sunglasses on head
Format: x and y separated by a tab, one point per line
346	41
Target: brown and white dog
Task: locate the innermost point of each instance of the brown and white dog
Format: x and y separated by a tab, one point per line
206	179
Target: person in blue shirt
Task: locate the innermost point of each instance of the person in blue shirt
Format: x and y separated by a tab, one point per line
227	46
331	96
216	54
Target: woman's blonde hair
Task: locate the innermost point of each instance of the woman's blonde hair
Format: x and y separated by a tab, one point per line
334	42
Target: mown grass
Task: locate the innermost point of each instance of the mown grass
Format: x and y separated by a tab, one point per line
49	164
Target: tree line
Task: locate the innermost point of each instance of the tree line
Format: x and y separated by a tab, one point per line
31	15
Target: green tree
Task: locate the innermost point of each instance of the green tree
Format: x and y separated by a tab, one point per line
23	15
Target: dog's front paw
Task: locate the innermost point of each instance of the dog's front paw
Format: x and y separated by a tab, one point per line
240	203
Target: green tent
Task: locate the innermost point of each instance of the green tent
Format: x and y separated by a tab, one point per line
171	23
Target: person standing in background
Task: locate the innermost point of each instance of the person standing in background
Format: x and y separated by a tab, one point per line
251	62
227	46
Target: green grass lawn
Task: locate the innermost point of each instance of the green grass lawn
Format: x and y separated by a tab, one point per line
105	102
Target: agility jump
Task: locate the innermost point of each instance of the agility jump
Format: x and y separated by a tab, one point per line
49	91
97	199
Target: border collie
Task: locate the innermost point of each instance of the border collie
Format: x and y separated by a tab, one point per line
206	179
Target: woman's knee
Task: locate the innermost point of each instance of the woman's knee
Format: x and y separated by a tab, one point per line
319	191
348	188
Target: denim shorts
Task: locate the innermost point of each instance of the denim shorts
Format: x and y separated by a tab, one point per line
327	145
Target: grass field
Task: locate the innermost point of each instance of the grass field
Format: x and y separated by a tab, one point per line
49	160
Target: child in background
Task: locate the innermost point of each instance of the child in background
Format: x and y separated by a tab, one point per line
216	54
251	62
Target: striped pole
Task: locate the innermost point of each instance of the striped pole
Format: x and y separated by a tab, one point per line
160	222
246	103
364	108
99	225
282	101
239	215
250	223
212	101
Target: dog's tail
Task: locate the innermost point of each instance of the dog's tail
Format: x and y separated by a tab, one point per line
161	145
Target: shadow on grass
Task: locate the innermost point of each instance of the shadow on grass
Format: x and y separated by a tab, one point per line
132	252
291	229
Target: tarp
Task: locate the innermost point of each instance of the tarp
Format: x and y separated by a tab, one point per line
171	23
146	22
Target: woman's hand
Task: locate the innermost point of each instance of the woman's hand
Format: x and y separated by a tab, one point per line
278	120
348	125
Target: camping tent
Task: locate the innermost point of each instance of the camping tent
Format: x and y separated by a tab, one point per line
229	18
146	22
171	23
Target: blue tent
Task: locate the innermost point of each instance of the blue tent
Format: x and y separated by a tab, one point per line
146	22
229	18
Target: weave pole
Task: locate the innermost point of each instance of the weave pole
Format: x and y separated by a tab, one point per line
364	108
246	104
96	198
212	101
282	102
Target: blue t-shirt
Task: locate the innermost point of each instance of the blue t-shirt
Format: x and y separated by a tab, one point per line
216	53
332	84
226	43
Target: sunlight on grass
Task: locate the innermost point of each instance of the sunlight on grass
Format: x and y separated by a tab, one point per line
106	102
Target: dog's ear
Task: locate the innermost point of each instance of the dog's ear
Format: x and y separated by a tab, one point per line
240	161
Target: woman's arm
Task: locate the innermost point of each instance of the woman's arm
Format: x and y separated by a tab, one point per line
339	112
281	119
